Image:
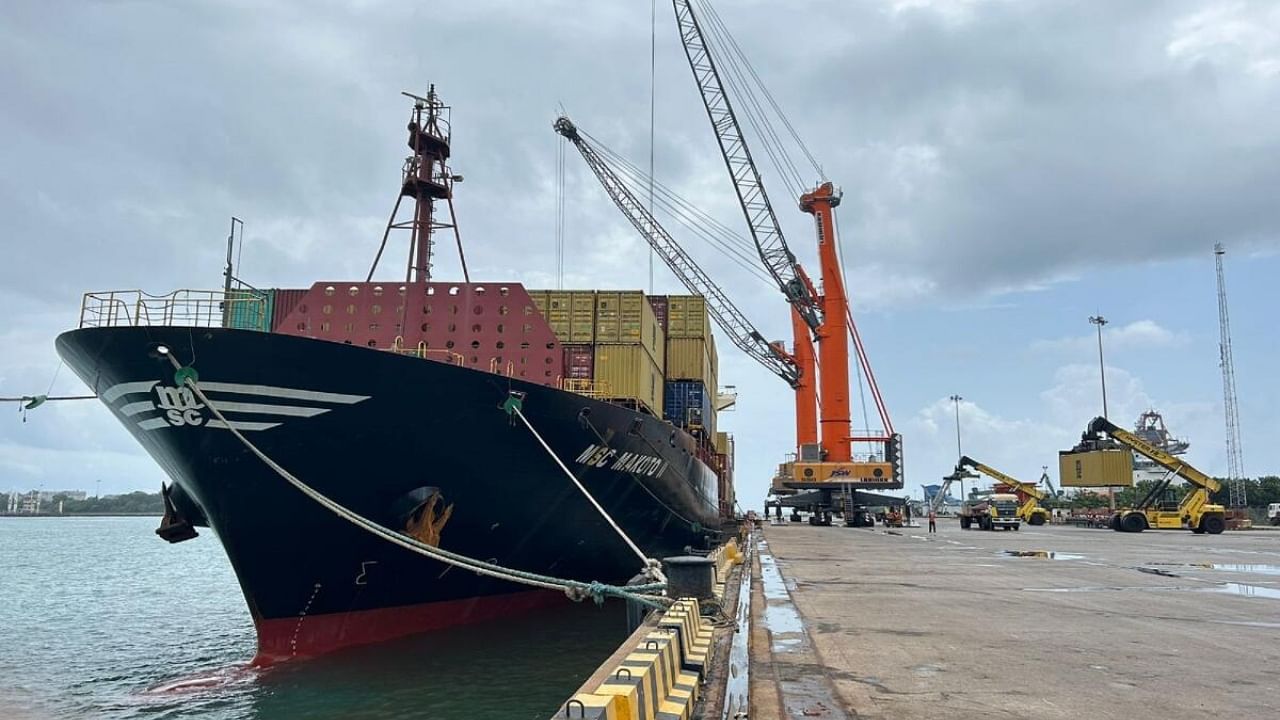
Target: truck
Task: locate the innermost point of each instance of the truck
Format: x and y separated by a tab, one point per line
1000	510
1029	510
1152	511
1273	513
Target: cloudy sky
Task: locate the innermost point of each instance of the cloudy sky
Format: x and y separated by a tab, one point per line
1009	169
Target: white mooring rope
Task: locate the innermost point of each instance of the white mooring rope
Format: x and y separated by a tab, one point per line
651	564
575	589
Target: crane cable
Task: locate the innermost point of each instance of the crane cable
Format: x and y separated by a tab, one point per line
686	213
765	90
621	165
857	365
560	215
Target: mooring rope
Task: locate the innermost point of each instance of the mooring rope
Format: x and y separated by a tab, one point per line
652	567
574	589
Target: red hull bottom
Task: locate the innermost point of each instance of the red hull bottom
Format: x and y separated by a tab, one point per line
310	635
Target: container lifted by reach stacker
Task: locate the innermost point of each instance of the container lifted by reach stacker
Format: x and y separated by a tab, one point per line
1029	510
829	462
1194	513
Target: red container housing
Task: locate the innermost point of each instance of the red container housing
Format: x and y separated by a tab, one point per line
579	362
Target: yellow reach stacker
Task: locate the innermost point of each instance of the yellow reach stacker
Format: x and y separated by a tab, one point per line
1029	511
1194	513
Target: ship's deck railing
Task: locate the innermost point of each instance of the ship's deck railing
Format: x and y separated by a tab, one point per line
245	309
422	351
590	388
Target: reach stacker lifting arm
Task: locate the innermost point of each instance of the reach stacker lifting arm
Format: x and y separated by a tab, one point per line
1029	511
1194	513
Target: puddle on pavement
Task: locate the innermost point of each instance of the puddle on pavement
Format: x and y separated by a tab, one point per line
1230	588
1106	588
1041	554
780	616
1251	568
1246	590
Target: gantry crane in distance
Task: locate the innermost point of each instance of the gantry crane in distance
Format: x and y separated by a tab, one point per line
1029	510
830	461
730	319
1194	512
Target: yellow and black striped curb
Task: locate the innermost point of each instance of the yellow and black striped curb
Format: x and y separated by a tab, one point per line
725	557
659	679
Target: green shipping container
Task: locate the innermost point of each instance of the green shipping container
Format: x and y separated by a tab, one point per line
248	309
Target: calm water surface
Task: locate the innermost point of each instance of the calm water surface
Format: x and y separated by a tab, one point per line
99	618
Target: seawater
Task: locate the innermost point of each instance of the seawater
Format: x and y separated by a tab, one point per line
100	618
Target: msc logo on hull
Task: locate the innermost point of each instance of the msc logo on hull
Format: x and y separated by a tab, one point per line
165	406
179	405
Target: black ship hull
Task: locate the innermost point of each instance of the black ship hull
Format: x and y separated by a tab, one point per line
382	434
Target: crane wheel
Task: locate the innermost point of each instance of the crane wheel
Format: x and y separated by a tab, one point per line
1133	523
964	523
1197	530
1213	524
1036	520
1115	522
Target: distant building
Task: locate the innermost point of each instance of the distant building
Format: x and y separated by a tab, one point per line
47	496
29	503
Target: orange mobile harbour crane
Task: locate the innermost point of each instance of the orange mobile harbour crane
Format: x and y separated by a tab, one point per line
825	459
820	380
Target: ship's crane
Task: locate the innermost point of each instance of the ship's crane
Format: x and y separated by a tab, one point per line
762	221
730	319
828	315
1029	511
1195	512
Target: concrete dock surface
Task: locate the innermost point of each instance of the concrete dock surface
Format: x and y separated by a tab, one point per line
1075	623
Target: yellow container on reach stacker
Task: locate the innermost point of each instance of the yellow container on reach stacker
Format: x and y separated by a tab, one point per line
1096	468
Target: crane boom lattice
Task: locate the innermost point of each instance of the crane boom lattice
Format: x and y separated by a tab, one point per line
1235	455
730	319
761	219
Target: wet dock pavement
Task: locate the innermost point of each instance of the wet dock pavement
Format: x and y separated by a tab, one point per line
1046	622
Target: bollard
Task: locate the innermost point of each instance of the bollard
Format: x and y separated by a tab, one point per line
690	576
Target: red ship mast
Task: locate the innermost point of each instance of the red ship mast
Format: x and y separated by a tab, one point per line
425	179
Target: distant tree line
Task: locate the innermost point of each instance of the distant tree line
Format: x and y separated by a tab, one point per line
1260	492
129	503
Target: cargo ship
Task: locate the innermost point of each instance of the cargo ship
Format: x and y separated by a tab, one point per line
388	398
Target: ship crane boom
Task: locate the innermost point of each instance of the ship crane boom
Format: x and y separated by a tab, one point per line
730	319
747	183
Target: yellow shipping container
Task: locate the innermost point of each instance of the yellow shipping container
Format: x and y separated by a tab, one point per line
628	372
608	317
557	313
582	318
625	317
539	300
722	443
687	317
638	323
690	359
1097	468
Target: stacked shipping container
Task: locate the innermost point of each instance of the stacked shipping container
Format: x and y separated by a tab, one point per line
613	345
658	351
724	460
